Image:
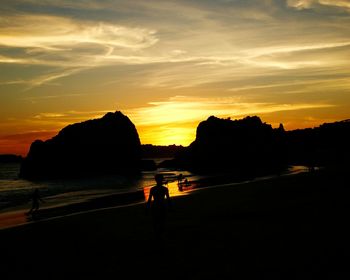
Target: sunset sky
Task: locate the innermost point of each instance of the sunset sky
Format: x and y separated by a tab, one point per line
168	65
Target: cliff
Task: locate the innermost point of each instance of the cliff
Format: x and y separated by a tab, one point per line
326	145
107	145
246	146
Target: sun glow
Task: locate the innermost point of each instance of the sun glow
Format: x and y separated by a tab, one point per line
174	121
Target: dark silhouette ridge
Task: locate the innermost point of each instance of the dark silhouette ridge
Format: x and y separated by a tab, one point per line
159	151
150	152
326	145
107	145
248	147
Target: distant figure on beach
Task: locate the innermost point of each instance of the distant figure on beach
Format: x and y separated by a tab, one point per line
36	199
158	202
179	178
179	181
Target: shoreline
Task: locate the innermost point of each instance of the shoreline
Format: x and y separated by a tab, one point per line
285	226
18	217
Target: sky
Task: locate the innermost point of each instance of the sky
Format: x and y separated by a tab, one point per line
169	65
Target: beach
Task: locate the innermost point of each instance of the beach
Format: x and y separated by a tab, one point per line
289	227
73	200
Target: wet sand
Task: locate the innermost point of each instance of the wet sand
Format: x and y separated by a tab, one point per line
51	207
293	227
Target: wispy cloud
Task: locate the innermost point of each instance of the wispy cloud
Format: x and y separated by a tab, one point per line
71	45
306	4
337	3
300	4
59	33
208	53
341	82
69	116
181	109
55	96
295	48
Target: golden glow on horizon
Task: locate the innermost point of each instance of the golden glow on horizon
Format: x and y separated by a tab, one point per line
175	121
161	123
167	135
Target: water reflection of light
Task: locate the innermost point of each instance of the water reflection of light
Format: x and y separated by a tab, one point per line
173	188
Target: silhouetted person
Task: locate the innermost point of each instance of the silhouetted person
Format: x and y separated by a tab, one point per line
186	182
158	202
179	178
36	199
179	181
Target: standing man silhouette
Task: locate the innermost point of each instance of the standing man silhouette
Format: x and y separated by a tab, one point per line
159	202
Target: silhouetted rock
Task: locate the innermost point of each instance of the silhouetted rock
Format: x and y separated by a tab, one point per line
326	145
107	145
248	146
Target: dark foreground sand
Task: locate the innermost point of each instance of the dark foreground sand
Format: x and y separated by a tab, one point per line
293	227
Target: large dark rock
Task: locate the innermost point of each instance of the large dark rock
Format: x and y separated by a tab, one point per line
326	145
246	146
100	146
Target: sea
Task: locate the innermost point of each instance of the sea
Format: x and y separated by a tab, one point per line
16	193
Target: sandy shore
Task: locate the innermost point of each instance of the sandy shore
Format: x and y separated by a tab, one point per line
293	227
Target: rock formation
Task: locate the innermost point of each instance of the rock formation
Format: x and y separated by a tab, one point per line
109	145
326	145
247	145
